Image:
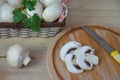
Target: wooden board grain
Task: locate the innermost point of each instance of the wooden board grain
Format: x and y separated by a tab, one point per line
108	68
35	70
94	11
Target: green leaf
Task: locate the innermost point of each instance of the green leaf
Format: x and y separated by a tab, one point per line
36	20
18	16
33	23
29	4
27	23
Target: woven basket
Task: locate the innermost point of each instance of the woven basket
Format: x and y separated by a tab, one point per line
17	30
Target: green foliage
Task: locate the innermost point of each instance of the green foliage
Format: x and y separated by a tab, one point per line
29	4
33	22
20	15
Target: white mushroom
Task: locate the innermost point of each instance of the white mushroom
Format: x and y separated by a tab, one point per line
6	13
15	3
52	12
49	2
86	58
18	55
70	65
68	46
92	59
78	58
81	57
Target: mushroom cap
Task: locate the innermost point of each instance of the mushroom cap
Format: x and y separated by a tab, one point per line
16	55
78	58
69	45
50	2
6	13
52	12
15	3
70	65
81	58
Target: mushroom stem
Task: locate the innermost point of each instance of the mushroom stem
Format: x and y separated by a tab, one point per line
92	59
81	57
26	60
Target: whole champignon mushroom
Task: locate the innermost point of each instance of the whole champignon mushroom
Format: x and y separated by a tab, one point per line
18	55
68	46
71	66
84	56
6	13
15	3
52	12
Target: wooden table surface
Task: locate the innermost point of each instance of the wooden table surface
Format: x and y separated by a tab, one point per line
94	11
36	70
105	12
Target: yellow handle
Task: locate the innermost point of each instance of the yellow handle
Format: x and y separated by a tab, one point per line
116	55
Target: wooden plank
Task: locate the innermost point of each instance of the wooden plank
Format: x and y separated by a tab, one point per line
95	4
35	70
34	43
113	21
94	11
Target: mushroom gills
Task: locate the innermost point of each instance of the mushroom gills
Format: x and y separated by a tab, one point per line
81	57
78	58
70	65
67	47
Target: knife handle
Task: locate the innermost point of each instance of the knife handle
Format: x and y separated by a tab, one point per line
116	55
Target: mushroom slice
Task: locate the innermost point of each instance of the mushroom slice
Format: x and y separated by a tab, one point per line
81	57
70	65
92	59
67	47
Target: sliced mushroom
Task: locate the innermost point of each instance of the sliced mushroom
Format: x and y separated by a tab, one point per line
71	66
81	57
67	47
78	58
92	59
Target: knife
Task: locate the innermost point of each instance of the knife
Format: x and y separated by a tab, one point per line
113	52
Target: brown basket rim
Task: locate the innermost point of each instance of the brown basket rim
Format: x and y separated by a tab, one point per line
43	25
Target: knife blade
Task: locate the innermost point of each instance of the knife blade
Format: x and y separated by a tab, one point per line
113	52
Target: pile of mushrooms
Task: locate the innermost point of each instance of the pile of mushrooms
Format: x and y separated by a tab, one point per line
48	10
18	55
78	58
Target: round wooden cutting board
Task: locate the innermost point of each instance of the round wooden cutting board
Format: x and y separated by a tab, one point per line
108	68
